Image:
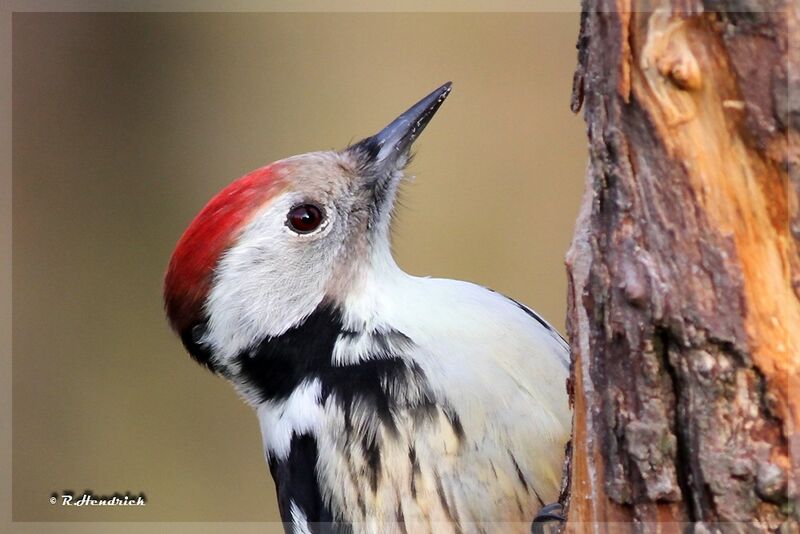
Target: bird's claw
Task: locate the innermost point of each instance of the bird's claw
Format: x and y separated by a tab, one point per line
551	512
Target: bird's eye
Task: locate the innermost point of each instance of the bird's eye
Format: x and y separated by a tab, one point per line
304	218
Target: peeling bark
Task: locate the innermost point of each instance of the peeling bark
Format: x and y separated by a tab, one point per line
684	299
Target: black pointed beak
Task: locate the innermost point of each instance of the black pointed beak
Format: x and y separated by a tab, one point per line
391	145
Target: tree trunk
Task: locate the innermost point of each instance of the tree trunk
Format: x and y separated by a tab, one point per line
684	310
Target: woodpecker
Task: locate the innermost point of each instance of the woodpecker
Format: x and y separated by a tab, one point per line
386	402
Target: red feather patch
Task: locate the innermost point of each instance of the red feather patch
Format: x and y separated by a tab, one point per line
190	271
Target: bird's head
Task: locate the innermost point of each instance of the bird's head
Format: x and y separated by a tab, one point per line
273	245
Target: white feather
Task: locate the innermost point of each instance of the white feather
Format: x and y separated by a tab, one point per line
301	413
299	520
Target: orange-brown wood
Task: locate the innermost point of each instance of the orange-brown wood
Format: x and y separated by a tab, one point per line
684	312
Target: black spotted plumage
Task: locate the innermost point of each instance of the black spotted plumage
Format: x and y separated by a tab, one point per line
276	366
296	486
380	383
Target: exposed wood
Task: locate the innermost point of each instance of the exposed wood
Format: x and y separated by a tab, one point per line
684	312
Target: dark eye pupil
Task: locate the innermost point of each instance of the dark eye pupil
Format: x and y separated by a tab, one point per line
304	218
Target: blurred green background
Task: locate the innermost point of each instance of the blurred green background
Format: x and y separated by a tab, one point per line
124	125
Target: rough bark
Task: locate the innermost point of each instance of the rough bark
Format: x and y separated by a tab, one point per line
684	299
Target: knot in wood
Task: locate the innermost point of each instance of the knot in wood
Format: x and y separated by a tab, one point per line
771	483
678	64
667	48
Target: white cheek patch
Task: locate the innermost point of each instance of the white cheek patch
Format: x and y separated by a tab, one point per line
268	281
